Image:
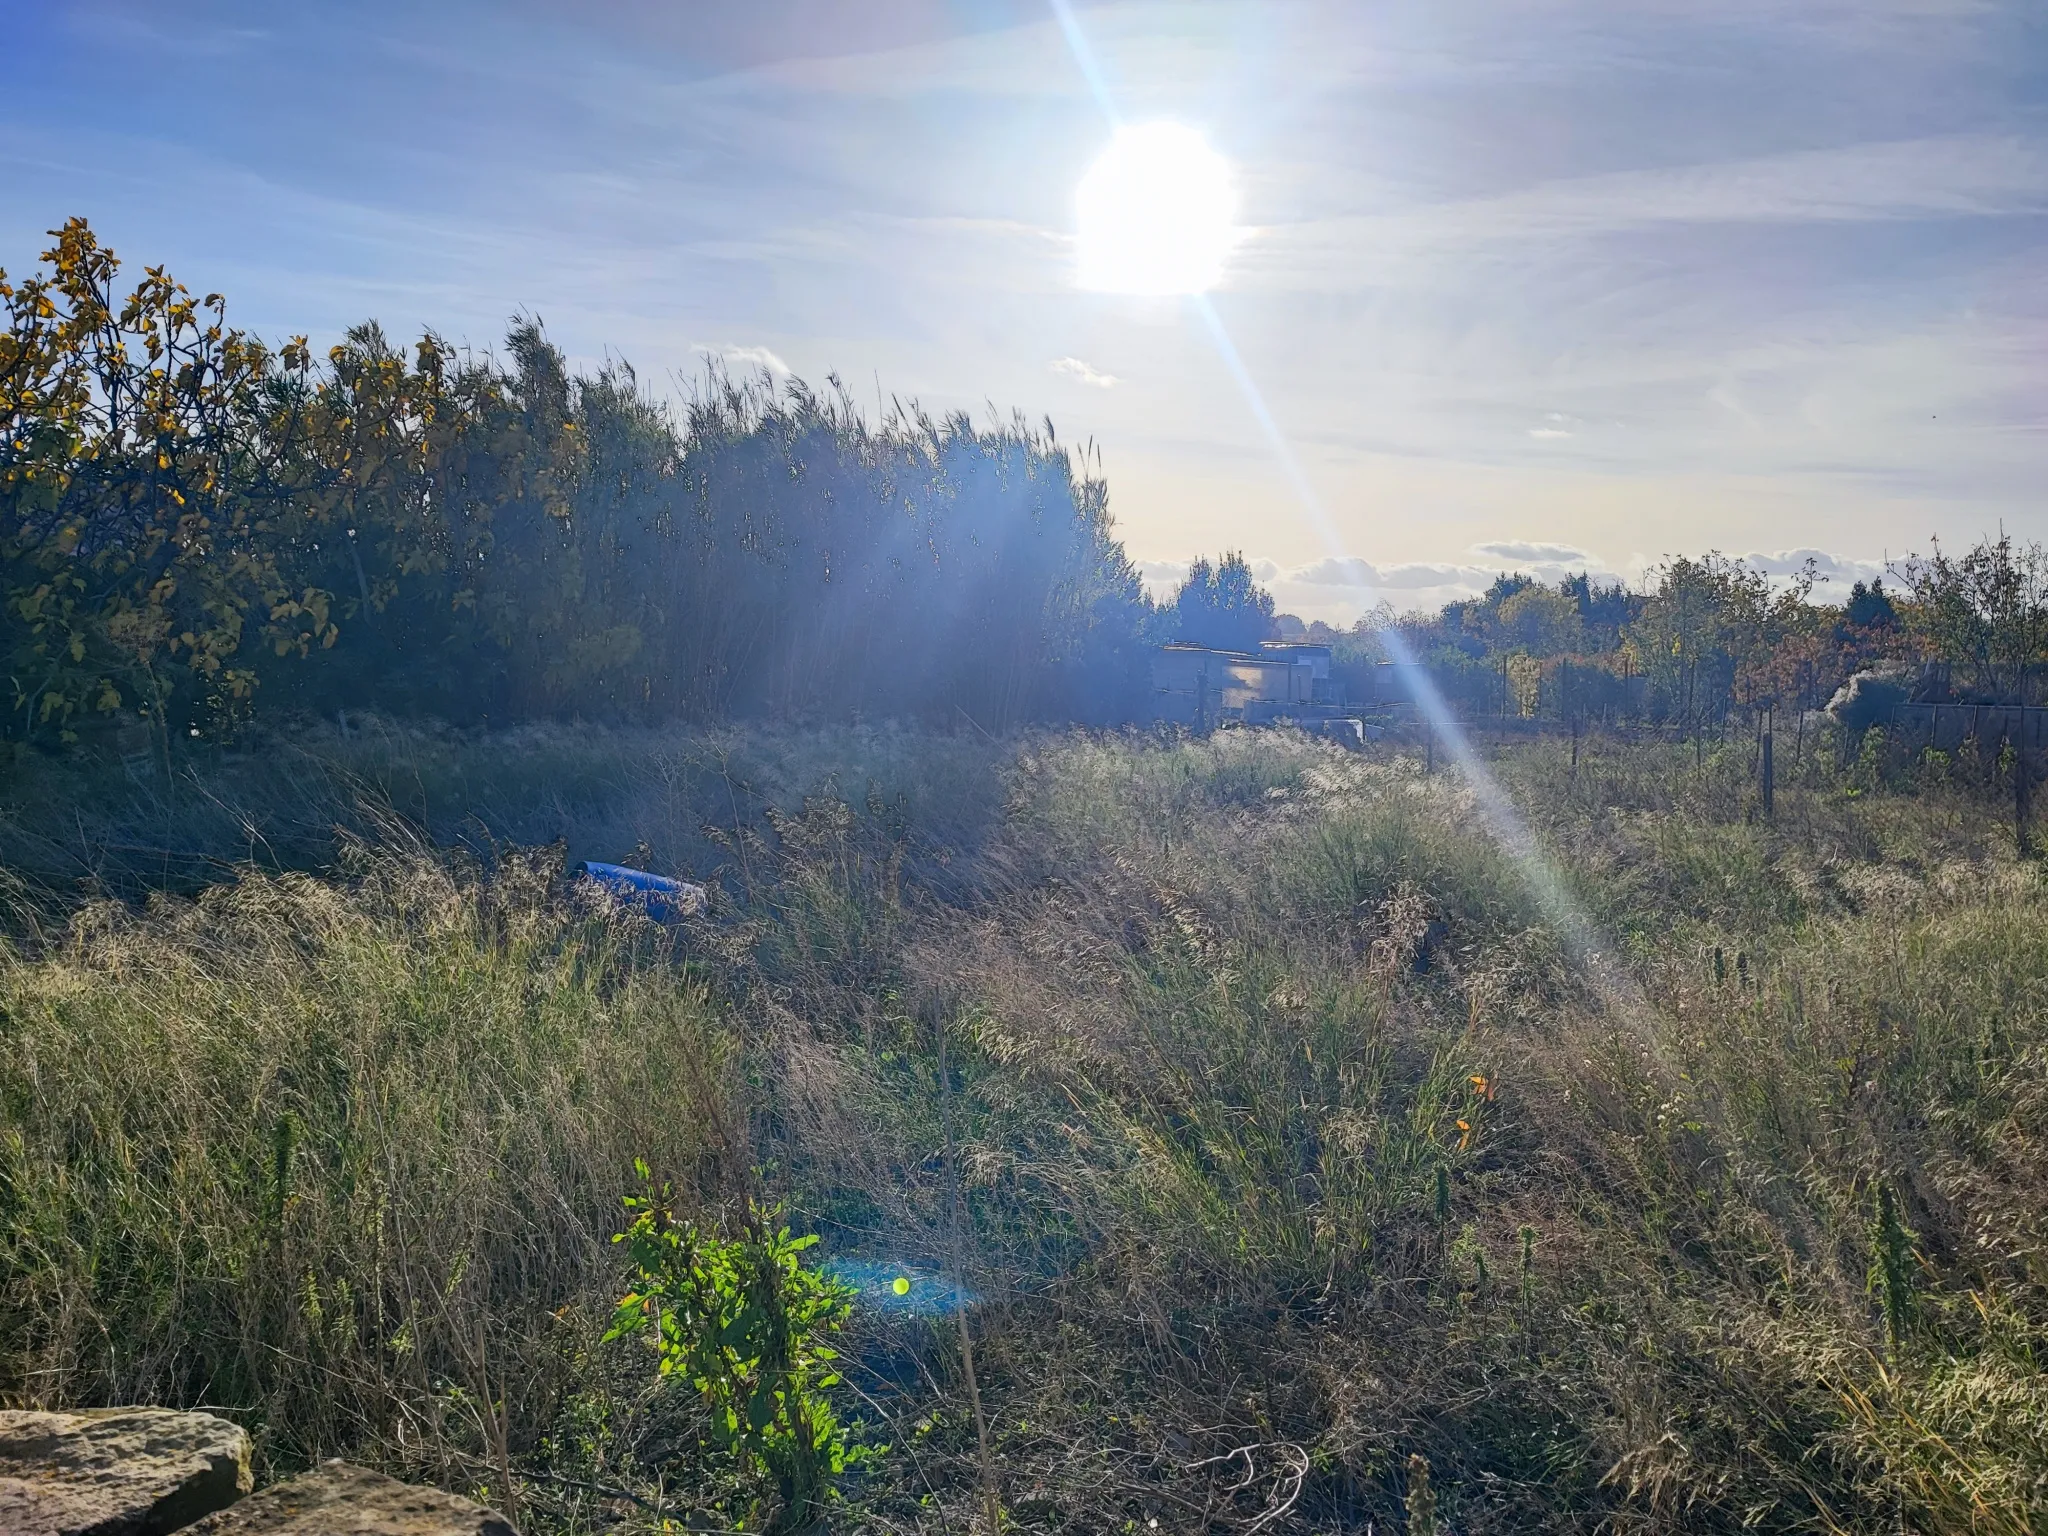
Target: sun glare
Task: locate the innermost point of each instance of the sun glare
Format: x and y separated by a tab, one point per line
1156	213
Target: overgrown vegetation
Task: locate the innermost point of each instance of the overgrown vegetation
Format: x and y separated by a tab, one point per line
192	523
200	534
1311	1179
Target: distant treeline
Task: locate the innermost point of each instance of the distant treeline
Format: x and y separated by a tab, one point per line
196	525
1712	638
196	528
1707	639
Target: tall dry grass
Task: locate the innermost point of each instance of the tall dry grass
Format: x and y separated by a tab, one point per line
1292	1139
337	1155
1358	1161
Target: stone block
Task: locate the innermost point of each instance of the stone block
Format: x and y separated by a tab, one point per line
116	1471
337	1499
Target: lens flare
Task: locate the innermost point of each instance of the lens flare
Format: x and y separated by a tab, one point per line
1496	811
891	1286
1156	213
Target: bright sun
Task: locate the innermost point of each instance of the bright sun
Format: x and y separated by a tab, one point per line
1156	212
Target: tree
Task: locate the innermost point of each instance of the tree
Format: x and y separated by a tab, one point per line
1869	607
1222	606
1986	615
1604	611
144	554
1538	621
1706	632
191	522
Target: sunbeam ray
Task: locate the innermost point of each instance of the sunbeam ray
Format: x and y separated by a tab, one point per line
1503	821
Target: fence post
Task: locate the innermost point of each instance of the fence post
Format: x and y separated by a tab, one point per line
1770	774
2022	788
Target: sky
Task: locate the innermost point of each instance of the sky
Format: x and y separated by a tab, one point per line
1528	284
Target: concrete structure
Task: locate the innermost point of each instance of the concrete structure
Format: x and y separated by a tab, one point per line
1195	686
1201	688
1324	687
336	1499
1315	657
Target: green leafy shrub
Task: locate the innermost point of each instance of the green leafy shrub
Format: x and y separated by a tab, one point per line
745	1321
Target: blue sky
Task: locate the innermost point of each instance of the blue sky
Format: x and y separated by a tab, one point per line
1542	284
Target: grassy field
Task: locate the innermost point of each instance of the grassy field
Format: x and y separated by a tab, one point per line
1298	1141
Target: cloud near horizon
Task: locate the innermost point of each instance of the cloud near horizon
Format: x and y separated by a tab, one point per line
1833	569
760	358
1083	373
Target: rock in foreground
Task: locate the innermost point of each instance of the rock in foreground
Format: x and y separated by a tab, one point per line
340	1500
117	1471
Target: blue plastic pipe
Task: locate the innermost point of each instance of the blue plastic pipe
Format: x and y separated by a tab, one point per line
663	899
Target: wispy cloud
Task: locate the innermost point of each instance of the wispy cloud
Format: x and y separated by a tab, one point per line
1340	590
1545	561
1524	549
1365	575
760	358
1084	373
1948	177
195	39
1632	272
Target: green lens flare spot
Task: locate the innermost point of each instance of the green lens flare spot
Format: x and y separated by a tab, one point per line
901	1285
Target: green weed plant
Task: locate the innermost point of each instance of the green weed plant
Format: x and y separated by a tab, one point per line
745	1320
